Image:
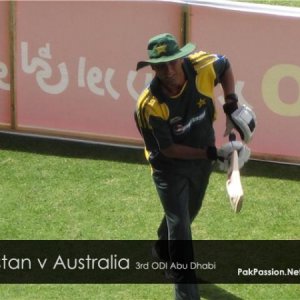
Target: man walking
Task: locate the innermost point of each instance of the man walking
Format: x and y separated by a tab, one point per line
175	116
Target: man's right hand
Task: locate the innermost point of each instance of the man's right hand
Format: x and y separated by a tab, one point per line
225	152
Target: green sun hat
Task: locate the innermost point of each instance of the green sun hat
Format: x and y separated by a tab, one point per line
163	48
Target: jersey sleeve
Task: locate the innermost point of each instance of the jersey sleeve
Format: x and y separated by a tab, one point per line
152	120
161	132
210	69
220	66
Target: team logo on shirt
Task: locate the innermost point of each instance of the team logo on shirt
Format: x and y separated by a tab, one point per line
201	102
179	128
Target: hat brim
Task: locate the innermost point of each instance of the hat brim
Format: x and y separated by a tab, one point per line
184	51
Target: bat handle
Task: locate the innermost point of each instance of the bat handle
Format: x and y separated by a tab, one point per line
232	137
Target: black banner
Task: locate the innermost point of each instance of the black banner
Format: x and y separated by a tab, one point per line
111	261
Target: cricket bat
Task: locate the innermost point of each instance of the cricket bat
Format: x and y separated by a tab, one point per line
233	184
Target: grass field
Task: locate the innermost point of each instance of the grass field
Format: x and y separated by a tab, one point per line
55	190
295	3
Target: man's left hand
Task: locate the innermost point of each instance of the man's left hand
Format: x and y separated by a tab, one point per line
243	119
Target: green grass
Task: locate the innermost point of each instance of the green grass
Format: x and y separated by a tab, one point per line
55	190
295	3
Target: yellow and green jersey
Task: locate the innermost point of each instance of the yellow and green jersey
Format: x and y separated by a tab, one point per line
185	119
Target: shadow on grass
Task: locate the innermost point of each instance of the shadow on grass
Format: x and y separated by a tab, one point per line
69	148
90	150
271	170
264	169
214	292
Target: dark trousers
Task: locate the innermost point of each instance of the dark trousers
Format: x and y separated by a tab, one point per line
181	195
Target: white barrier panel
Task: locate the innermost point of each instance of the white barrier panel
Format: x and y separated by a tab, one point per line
264	52
76	65
4	65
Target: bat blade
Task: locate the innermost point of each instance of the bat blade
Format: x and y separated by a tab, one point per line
234	185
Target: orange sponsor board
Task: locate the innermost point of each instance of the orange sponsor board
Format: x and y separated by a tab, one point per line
264	53
76	64
4	65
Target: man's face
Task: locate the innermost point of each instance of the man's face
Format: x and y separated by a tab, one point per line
170	73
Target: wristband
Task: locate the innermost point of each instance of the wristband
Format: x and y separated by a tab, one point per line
230	107
231	97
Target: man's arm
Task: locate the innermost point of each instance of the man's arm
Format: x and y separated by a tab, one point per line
227	82
243	119
185	152
224	75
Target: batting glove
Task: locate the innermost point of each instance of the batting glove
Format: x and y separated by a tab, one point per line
243	118
225	152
